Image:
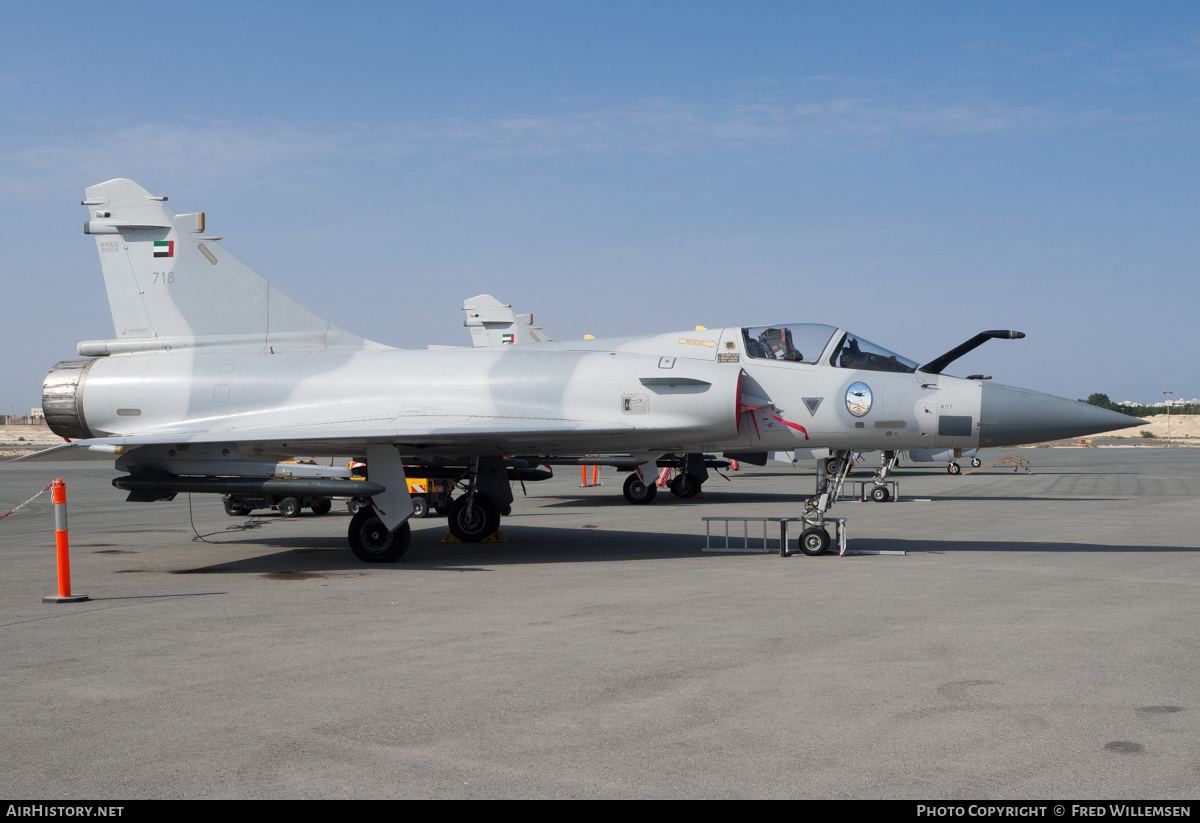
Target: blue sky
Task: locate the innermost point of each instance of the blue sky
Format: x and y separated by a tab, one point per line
914	173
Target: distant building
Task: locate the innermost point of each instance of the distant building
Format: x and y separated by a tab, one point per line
33	420
1162	404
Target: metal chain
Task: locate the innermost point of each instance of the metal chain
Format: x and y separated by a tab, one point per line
30	500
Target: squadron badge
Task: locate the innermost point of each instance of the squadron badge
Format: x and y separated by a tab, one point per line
858	399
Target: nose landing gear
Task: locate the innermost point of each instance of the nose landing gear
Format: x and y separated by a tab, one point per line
814	541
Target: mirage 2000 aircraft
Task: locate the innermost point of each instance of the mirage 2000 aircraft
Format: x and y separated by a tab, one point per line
214	374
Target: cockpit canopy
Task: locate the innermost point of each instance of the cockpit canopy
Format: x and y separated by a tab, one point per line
797	342
806	342
855	353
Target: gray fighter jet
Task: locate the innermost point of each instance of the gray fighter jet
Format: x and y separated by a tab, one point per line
948	456
214	375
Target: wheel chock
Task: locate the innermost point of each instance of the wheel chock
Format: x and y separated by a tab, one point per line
495	537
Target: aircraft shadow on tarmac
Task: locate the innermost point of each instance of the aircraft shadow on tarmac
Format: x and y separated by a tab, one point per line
936	471
734	498
299	557
710	497
527	545
1044	498
948	546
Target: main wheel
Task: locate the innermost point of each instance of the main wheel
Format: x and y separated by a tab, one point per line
289	507
234	507
638	492
814	541
953	468
880	494
976	462
323	506
420	506
373	542
685	485
831	466
470	525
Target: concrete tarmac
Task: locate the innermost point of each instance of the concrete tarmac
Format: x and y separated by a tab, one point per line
1038	641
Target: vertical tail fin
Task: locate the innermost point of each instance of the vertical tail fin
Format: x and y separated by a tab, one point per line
166	279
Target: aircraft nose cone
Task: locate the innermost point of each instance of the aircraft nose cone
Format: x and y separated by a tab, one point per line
1009	416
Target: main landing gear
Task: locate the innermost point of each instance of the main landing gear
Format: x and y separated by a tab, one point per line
690	470
475	515
472	517
637	491
881	494
685	485
692	475
372	541
954	468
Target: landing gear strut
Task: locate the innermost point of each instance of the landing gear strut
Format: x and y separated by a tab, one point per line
880	493
476	514
831	474
691	477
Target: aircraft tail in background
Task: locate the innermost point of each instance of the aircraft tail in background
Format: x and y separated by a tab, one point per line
493	323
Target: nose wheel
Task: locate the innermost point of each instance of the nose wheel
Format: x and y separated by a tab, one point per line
814	541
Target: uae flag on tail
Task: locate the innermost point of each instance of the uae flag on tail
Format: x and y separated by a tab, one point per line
164	248
508	338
